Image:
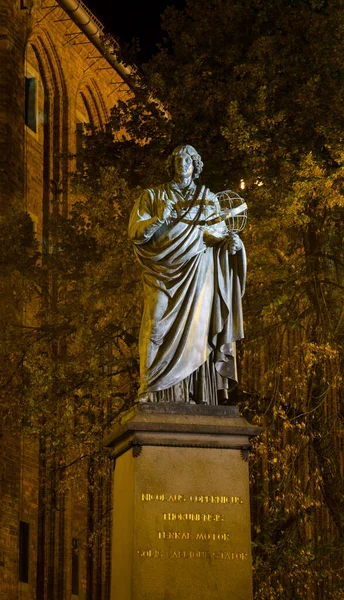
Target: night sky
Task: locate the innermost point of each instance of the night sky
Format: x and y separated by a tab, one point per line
129	19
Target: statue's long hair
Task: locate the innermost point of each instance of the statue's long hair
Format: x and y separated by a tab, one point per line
196	160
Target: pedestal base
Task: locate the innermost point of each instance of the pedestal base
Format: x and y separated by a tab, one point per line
181	527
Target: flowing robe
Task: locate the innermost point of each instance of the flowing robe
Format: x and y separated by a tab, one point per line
192	296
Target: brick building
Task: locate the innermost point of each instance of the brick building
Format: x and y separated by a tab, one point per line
57	72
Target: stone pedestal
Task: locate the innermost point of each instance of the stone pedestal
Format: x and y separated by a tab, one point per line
181	522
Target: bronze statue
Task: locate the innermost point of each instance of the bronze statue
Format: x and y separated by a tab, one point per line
194	272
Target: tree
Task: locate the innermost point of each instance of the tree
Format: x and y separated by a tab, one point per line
262	98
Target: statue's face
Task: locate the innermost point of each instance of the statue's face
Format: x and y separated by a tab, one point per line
183	165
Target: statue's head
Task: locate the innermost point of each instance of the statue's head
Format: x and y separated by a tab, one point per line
185	149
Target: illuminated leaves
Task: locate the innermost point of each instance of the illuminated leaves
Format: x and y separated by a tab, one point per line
272	112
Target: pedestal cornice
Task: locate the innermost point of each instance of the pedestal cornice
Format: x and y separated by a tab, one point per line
181	425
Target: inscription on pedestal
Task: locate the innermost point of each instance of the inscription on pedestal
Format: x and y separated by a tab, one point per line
162	519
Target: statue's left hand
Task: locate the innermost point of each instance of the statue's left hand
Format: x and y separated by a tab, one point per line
234	243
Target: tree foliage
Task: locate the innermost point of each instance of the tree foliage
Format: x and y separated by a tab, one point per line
69	315
258	89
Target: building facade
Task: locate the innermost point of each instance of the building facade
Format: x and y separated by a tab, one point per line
57	72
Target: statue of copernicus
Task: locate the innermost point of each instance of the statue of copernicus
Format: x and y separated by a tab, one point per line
194	278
